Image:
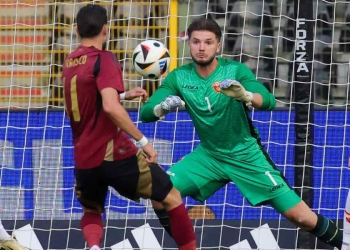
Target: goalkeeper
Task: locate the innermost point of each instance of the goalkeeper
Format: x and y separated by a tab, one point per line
216	93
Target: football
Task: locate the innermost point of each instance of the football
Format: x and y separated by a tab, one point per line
151	59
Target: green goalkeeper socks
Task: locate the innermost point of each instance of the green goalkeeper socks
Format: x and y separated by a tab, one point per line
327	231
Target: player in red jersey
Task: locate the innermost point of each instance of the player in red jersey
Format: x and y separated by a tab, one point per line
104	155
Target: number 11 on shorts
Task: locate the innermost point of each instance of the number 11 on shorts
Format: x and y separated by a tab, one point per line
271	178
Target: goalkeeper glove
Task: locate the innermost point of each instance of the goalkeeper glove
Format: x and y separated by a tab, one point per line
236	90
170	103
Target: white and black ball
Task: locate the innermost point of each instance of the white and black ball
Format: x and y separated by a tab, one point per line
151	59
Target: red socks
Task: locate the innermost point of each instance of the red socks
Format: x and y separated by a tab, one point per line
91	224
182	228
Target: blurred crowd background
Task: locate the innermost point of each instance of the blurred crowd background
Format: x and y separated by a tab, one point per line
36	35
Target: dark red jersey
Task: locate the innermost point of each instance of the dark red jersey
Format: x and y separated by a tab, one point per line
87	71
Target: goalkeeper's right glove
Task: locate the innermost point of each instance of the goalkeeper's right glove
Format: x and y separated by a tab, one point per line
170	103
236	90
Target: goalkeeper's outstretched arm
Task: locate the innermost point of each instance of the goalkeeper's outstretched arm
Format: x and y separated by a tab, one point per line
262	99
265	101
167	88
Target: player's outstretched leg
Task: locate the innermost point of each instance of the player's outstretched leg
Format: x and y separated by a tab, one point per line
163	216
346	225
181	228
298	212
7	242
92	227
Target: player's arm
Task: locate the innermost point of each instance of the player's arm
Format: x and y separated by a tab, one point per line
246	88
110	84
117	113
163	100
133	93
120	117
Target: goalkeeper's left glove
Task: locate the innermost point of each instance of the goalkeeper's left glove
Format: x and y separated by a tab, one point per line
236	90
170	103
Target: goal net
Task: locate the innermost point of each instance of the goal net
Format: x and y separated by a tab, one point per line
36	155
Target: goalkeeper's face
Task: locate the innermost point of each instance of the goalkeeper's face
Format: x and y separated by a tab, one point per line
203	47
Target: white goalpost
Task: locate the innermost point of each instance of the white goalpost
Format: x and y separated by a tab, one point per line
36	152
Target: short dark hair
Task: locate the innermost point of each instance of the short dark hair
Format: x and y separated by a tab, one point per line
205	24
90	20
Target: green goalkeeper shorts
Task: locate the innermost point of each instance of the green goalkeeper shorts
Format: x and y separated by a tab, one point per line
200	174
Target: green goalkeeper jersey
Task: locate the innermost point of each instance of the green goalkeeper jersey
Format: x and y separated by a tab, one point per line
222	122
